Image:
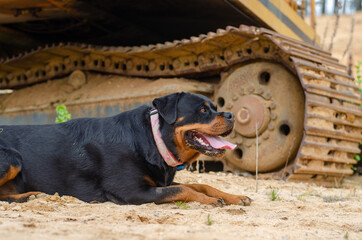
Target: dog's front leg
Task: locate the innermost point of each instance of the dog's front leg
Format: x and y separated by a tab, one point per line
213	192
186	194
172	194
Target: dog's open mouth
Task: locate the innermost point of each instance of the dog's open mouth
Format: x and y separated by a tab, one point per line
208	144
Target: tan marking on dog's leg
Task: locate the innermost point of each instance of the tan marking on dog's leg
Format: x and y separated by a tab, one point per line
150	181
213	192
18	197
10	174
189	195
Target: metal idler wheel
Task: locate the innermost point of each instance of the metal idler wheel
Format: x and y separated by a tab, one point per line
267	101
77	79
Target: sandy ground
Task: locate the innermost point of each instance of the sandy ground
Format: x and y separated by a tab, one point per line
301	211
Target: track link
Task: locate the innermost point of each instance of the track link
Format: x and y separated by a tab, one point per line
333	116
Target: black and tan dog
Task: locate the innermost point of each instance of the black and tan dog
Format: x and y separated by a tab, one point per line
129	158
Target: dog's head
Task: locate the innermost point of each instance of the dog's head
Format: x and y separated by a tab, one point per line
195	125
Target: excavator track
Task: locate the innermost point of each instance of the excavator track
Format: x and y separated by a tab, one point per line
332	118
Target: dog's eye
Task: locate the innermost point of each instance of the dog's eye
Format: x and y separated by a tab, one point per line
203	109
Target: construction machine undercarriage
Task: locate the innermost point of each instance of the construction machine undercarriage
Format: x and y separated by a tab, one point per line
291	99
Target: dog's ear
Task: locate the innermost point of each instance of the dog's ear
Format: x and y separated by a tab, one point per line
167	106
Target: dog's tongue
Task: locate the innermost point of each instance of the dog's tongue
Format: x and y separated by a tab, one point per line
219	143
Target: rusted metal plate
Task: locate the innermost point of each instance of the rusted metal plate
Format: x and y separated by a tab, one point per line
102	96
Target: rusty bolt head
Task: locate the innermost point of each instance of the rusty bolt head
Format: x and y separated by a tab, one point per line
272	105
241	91
152	66
176	64
273	116
259	91
229	105
243	116
251	89
265	136
255	46
228	54
10	76
67	61
48	68
107	62
29	73
235	97
267	96
201	59
271	126
239	140
129	65
87	59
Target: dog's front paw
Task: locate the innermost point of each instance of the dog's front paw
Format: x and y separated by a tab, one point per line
245	201
238	200
219	203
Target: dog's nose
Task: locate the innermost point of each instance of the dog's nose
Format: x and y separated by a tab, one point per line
228	115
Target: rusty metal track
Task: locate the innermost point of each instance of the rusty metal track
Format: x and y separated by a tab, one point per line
194	56
333	114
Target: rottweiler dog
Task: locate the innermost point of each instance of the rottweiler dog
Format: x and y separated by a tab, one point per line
130	158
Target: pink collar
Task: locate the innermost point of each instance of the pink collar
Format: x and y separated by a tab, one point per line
161	146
